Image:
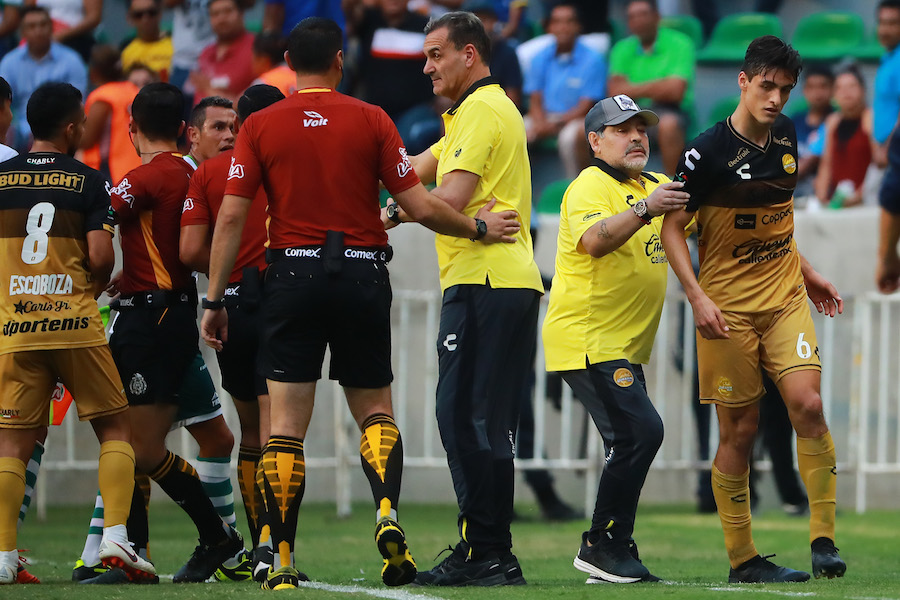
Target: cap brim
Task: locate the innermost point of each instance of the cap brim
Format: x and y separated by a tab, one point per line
649	116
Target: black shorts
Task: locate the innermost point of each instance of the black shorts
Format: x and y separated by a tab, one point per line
238	358
305	309
152	348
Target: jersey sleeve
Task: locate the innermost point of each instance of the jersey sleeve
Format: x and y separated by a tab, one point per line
99	213
196	206
438	147
394	167
132	195
586	205
694	170
245	172
472	146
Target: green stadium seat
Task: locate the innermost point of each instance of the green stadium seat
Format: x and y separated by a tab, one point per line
552	195
689	25
722	109
870	50
732	35
617	31
828	36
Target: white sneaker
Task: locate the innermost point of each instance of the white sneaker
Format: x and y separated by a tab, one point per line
116	551
9	566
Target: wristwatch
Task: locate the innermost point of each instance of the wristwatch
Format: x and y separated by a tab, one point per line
208	304
640	209
393	213
480	230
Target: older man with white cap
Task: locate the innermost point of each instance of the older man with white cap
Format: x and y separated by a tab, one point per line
605	306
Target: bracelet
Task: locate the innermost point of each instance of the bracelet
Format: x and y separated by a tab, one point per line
208	304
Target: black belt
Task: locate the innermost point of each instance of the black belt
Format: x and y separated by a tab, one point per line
379	254
155	299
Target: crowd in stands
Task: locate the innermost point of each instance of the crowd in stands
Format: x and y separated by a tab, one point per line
554	70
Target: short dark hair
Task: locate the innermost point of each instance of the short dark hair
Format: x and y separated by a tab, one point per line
236	3
771	52
570	4
158	3
653	4
51	108
157	110
5	90
27	10
850	67
463	28
105	62
257	97
270	44
313	44
888	4
198	114
818	70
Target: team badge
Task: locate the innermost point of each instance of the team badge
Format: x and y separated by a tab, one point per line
789	164
137	385
623	377
725	387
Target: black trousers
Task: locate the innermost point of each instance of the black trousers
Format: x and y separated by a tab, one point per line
485	348
615	395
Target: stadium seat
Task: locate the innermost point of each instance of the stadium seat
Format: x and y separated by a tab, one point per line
828	36
732	35
552	195
870	50
722	109
689	25
617	31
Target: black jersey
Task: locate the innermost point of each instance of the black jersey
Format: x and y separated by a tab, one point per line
743	195
48	203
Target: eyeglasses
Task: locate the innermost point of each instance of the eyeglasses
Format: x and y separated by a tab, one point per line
140	14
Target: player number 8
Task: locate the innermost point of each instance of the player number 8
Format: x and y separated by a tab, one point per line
803	349
34	247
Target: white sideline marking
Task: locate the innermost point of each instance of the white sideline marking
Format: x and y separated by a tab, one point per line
758	590
378	593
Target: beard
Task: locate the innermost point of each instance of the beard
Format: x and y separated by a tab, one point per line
635	164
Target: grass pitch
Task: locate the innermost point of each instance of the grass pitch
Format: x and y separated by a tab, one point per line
682	547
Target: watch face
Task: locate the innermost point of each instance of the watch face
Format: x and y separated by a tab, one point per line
640	208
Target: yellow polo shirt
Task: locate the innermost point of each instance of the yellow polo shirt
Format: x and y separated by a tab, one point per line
485	135
604	308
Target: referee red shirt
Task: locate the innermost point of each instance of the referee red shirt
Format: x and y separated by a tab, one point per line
320	155
148	202
204	199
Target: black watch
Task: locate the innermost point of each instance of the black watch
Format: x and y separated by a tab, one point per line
393	213
480	230
208	304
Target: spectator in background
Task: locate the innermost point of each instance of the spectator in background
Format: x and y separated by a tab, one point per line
225	67
106	143
564	82
281	16
268	63
504	62
6	117
39	60
74	22
655	66
818	87
141	75
8	27
886	104
390	69
150	46
848	143
191	33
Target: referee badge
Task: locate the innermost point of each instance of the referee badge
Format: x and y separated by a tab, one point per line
623	377
789	164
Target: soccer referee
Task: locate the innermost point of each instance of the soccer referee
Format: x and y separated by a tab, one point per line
605	305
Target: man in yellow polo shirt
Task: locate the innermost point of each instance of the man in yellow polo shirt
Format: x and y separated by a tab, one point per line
491	293
605	306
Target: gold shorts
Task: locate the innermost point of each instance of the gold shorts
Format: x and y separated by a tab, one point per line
779	341
27	380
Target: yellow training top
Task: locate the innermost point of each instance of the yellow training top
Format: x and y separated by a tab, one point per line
607	308
485	135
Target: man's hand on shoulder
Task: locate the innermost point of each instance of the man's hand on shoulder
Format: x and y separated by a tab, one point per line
501	226
667	198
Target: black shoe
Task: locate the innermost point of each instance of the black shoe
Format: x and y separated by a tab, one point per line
116	576
459	570
263	558
610	559
560	511
206	559
399	567
825	559
633	551
760	570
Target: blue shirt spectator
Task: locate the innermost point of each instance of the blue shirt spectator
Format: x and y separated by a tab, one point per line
564	79
886	103
282	15
36	62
